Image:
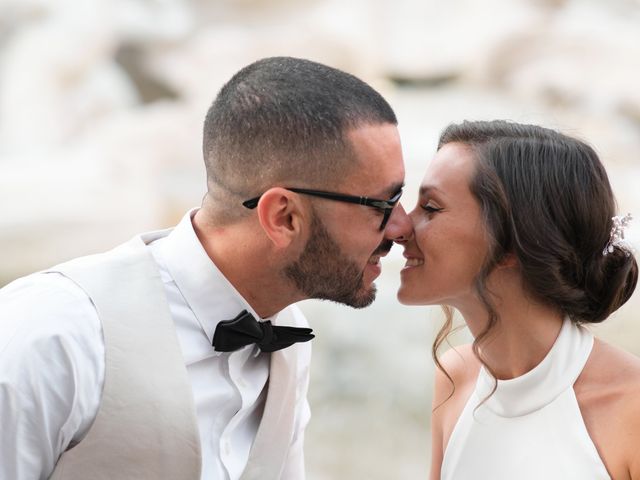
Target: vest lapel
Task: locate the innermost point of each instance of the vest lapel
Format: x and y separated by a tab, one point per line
271	446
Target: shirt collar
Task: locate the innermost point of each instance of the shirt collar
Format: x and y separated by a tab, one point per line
211	297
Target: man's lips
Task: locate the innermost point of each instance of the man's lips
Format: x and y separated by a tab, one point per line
383	249
374	260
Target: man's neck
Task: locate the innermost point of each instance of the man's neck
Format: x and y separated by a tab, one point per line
246	262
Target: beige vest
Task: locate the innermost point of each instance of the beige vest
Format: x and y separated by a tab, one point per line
146	426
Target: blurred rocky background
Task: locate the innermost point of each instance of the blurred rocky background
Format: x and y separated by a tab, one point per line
101	106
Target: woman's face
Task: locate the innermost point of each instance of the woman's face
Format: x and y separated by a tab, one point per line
449	246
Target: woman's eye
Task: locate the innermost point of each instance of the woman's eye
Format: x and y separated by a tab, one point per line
430	208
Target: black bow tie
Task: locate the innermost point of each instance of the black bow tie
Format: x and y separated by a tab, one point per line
231	335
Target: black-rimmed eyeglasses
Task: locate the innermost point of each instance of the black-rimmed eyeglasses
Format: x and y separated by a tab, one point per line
384	206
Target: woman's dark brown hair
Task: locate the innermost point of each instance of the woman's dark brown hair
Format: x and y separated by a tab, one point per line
546	198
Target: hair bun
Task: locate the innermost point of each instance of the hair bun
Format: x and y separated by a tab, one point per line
609	283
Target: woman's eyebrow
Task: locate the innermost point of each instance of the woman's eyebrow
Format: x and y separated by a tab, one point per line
425	189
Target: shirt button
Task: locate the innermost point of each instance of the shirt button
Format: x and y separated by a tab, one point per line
227	447
242	383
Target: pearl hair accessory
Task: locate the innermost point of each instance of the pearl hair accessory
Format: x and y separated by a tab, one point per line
616	238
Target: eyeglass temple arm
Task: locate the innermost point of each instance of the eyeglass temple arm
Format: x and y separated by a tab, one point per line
251	203
383	204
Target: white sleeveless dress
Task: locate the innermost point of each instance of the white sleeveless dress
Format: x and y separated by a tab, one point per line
531	426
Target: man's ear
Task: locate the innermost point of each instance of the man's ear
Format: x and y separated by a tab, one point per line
281	216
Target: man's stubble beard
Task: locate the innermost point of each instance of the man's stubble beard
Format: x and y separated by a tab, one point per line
325	273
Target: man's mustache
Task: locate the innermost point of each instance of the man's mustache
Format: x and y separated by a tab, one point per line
384	247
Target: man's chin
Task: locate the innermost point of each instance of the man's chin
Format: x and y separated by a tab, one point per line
365	297
361	298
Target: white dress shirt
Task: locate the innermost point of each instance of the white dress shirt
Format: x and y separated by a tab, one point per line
52	364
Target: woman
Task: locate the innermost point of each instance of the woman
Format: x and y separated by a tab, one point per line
514	229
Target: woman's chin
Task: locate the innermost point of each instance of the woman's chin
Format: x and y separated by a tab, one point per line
410	296
407	298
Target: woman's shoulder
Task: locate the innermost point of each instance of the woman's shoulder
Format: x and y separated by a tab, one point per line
461	363
608	392
611	381
612	371
452	392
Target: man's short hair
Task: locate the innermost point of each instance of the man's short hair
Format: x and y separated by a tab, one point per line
283	121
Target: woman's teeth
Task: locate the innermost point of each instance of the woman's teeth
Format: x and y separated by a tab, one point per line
413	262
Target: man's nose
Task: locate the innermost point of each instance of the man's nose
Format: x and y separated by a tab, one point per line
399	228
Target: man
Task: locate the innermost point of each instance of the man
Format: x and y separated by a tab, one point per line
147	362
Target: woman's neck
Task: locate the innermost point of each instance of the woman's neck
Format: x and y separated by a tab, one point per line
523	335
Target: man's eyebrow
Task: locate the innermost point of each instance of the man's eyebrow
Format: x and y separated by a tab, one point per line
395	188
